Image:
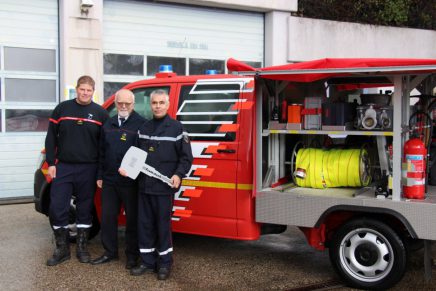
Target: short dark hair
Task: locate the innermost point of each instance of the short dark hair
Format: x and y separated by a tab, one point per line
86	80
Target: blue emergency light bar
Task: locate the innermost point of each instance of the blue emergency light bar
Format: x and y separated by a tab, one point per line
165	69
211	72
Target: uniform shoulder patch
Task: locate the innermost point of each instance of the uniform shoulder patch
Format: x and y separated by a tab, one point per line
185	137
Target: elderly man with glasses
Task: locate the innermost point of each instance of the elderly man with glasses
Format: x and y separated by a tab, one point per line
118	134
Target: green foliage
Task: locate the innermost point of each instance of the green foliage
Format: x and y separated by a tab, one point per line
405	13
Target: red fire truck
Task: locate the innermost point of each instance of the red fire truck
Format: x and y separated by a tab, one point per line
289	145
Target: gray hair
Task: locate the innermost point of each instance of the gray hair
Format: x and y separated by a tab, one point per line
160	92
126	91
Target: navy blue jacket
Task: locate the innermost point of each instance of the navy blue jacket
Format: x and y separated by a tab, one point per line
169	152
114	143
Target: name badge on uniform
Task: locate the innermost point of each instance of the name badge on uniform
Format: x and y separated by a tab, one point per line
151	149
124	136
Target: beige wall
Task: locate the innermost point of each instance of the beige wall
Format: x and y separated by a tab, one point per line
276	35
81	45
313	39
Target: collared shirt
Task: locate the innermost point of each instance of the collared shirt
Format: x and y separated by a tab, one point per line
121	120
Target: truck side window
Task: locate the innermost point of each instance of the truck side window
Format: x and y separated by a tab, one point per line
203	111
142	101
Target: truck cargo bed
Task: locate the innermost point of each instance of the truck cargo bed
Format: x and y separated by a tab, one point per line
306	206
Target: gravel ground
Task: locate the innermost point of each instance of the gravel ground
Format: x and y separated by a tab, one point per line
275	262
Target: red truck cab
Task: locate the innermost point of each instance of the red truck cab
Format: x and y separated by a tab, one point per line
216	198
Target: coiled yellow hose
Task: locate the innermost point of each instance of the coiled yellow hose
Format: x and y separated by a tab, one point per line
318	168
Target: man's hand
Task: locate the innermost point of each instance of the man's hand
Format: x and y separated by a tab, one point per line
52	172
99	183
122	172
176	181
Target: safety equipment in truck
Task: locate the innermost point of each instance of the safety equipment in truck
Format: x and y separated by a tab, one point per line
320	168
294	113
374	117
413	169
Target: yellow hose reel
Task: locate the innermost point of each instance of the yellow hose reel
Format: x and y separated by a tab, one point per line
321	168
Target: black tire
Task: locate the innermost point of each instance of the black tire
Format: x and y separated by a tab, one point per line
95	228
368	254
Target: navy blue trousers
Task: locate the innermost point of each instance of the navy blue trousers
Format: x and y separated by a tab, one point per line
73	179
111	199
154	230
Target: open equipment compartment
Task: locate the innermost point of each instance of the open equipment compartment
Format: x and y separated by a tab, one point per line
305	209
332	217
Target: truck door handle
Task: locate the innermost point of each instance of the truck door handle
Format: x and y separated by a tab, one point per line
226	151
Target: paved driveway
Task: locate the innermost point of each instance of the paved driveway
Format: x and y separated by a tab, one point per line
275	262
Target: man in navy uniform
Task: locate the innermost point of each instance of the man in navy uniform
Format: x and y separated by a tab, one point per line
169	152
72	149
119	133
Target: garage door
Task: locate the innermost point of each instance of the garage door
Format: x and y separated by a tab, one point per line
139	36
28	88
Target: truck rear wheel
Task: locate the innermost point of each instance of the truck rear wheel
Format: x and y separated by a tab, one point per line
368	254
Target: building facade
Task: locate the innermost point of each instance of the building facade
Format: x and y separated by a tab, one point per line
45	45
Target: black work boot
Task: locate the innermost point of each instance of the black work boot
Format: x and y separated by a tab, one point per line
163	273
62	251
82	252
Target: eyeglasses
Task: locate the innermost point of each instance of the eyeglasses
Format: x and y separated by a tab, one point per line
126	104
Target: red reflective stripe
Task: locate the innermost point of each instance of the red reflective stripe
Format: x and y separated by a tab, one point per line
228	128
53	120
192	193
76	118
182	213
203	172
250	84
242	105
214	149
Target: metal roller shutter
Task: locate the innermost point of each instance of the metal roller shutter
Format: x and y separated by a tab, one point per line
28	88
134	31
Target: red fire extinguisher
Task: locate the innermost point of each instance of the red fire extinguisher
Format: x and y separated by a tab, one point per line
414	157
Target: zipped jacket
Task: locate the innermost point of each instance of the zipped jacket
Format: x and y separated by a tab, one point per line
169	152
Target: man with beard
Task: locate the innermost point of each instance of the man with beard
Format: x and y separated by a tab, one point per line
119	133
